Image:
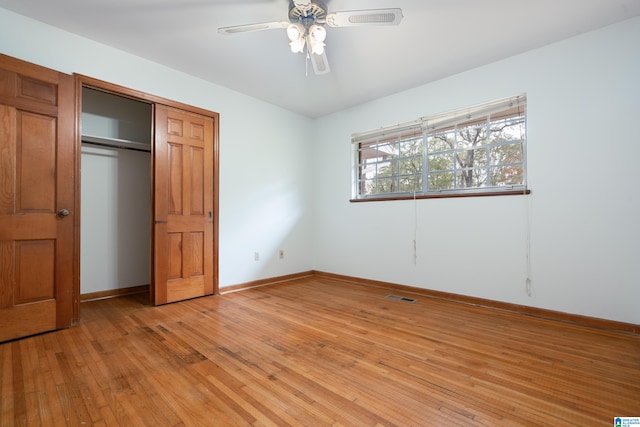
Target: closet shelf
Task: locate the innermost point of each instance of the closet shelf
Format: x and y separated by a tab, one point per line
115	142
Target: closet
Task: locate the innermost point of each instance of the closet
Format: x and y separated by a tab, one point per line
115	227
149	195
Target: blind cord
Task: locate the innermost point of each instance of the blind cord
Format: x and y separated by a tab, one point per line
415	229
528	287
527	231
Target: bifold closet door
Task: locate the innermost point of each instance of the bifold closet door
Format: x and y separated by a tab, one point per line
183	205
37	199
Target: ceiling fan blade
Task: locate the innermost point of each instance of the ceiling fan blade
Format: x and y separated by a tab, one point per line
320	63
253	27
354	18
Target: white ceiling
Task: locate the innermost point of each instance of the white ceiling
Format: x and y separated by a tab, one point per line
436	39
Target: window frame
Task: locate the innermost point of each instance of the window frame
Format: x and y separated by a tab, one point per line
487	114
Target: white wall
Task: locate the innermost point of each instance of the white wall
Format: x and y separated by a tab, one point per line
264	189
583	150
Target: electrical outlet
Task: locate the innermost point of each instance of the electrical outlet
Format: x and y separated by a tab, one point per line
281	253
256	256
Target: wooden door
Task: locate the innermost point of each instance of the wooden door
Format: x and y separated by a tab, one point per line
37	199
183	263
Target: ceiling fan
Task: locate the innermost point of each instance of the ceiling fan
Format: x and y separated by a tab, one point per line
306	27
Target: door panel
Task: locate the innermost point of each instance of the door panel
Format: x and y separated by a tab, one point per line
37	159
35	271
197	180
35	162
183	205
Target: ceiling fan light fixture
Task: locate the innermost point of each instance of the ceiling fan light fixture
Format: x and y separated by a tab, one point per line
316	47
317	33
295	31
297	46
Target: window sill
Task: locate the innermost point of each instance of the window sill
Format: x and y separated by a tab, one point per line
442	196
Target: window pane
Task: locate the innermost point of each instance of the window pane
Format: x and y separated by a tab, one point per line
386	168
507	175
471	178
386	151
410	166
506	153
410	184
472	158
440	162
441	142
471	136
509	129
440	181
366	187
410	147
386	185
368	153
368	171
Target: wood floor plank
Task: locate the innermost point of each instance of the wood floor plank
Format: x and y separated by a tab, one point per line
6	386
317	352
19	398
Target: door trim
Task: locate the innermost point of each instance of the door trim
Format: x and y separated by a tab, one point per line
86	81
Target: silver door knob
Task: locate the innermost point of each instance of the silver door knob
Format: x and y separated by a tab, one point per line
62	213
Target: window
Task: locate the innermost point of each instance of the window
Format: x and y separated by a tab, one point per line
480	149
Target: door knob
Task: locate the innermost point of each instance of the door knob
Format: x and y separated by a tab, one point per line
62	213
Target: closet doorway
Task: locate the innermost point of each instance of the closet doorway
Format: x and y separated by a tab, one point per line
115	196
149	203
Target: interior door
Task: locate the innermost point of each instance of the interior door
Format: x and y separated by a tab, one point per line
183	205
37	199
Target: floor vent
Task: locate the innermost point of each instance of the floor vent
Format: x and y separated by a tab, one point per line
399	298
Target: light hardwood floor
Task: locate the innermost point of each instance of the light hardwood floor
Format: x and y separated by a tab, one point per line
317	352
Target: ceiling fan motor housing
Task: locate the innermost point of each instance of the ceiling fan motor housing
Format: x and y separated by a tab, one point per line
307	12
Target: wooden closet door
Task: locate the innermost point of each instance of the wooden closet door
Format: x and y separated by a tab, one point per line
37	199
183	205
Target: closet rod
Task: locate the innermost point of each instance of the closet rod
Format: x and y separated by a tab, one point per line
116	145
